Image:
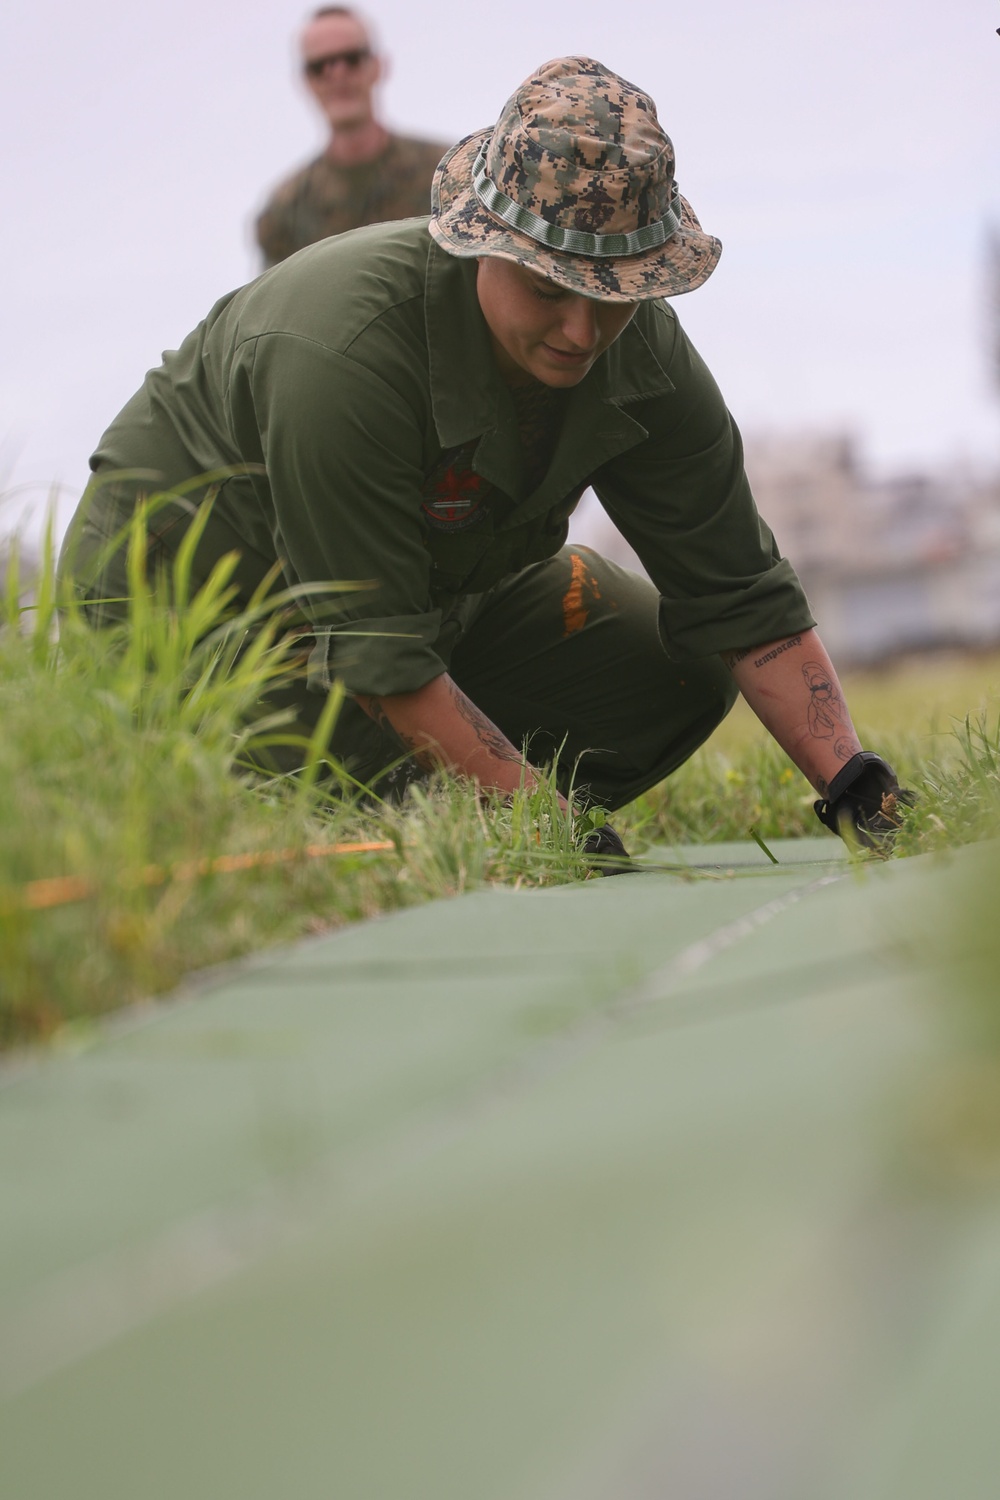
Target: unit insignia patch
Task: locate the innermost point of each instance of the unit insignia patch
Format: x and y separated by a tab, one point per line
454	495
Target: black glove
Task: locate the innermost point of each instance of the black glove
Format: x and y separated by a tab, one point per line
611	856
866	796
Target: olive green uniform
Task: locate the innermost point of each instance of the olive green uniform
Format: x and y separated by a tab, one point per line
325	198
358	383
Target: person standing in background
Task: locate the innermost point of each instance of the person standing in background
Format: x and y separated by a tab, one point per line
367	174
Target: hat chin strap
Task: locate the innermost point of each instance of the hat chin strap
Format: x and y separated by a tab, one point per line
572	241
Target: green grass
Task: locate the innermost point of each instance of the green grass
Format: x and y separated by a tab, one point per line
134	747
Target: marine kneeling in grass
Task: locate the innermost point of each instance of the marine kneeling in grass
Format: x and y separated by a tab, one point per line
422	405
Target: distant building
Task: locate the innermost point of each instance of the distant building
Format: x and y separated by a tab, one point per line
902	564
893	565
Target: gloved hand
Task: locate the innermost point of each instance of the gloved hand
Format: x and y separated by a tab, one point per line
611	856
866	797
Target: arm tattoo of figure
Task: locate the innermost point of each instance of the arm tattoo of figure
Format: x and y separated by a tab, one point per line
492	738
825	703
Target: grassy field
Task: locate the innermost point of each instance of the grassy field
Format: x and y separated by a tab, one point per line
126	770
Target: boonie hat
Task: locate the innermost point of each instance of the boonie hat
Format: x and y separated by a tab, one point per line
575	181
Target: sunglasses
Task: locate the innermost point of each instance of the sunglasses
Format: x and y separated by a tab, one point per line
315	67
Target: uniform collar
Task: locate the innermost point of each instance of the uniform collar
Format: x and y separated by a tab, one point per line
630	371
465	384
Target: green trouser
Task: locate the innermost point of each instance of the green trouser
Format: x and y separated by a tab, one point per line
564	657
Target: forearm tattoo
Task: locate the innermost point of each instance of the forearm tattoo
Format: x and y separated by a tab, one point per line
733	658
375	710
827	715
427	755
775	651
824	701
489	736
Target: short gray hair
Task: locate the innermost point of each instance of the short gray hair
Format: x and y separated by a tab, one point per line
356	15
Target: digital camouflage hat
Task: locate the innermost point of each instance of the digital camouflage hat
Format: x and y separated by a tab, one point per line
576	180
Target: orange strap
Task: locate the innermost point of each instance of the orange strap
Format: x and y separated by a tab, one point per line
61	890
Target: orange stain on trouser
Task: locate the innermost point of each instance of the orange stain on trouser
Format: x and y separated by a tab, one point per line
582	584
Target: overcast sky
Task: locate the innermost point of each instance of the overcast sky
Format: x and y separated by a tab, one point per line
846	155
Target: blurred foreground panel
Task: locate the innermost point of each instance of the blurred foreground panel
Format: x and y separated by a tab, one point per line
651	1187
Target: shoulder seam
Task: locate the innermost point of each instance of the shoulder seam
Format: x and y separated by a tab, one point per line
291	333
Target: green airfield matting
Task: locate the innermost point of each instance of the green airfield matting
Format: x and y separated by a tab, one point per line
589	1192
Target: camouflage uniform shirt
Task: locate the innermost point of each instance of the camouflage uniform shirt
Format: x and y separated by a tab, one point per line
356	388
324	198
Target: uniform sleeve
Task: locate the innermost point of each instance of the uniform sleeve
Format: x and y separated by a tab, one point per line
683	501
343	455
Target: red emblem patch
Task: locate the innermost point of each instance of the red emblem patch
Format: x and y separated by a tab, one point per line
453	498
